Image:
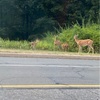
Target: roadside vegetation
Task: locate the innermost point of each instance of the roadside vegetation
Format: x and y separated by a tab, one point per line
49	25
65	35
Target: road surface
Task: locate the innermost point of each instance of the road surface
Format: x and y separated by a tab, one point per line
48	71
79	77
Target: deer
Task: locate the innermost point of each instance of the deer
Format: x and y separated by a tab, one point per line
85	42
57	42
34	43
64	46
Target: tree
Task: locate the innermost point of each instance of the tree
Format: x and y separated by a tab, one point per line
82	9
22	19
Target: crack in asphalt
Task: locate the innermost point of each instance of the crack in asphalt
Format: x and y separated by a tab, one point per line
79	73
53	80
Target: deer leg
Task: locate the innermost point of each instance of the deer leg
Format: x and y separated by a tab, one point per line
80	49
92	49
59	47
89	49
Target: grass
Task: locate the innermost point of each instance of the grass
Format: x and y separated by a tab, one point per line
64	35
67	34
46	52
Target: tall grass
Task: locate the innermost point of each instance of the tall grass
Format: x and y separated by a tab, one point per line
7	44
64	35
46	43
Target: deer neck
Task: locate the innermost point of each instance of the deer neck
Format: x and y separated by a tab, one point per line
76	40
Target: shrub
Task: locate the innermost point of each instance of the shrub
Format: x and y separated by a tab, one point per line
64	35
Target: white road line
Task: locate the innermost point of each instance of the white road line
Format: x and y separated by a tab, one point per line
21	65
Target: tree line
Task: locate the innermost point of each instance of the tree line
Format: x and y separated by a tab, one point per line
30	19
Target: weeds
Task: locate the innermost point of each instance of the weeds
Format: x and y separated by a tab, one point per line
64	35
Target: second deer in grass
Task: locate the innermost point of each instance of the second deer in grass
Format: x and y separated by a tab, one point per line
34	43
64	46
57	43
85	42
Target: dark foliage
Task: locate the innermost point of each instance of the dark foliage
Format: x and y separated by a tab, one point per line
24	19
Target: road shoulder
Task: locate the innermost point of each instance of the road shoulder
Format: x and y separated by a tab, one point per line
48	54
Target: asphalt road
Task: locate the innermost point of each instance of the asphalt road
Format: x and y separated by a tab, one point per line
48	71
43	71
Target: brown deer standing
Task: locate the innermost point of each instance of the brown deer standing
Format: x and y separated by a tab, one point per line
57	43
34	43
64	46
86	42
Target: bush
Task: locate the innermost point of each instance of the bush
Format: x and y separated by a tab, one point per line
64	35
67	35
